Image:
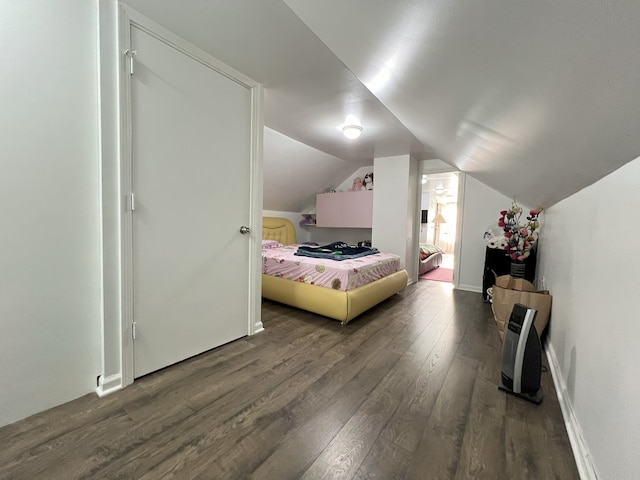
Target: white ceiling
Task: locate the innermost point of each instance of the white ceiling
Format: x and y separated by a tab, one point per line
441	184
535	99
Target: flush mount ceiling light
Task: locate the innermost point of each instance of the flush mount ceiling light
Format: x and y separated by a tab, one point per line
351	127
352	131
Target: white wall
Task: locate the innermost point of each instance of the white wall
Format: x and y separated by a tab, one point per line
352	236
294	173
391	200
302	233
50	295
112	358
412	229
434	166
424	205
589	259
481	206
347	184
321	235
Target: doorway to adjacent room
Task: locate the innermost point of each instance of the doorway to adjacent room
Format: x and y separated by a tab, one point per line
438	223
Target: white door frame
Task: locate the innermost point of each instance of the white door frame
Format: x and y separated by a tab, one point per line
425	170
115	22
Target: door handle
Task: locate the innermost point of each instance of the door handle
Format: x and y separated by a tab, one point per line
244	230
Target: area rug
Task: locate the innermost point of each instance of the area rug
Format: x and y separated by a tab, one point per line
439	274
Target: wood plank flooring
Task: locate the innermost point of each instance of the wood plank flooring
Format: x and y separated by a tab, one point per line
408	390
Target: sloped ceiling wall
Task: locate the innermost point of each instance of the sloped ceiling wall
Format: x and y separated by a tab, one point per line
295	172
535	99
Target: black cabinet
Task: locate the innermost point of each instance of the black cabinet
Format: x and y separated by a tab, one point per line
497	263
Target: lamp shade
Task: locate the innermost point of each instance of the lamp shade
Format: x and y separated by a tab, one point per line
438	219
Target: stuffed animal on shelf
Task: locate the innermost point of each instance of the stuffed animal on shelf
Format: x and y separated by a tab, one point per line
357	184
368	181
307	219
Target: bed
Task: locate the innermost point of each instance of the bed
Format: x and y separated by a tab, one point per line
343	303
430	258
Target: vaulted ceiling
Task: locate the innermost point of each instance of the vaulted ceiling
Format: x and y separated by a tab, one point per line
535	99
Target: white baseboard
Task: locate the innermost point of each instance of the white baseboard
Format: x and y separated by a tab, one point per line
580	449
109	384
470	288
257	328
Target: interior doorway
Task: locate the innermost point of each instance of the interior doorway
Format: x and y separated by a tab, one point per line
439	204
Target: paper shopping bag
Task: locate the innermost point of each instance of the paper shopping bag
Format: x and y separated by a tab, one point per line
508	291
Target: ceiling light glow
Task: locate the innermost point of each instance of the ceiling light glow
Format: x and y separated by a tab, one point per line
352	131
352	127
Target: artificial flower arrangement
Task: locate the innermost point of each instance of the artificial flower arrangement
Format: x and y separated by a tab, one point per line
509	234
519	238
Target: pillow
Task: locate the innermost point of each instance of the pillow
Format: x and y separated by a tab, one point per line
270	244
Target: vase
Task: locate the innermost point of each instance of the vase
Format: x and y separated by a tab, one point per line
517	269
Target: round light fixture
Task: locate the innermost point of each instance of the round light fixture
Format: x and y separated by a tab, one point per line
352	131
351	128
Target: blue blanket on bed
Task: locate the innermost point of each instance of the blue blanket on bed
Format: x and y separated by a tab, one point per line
336	251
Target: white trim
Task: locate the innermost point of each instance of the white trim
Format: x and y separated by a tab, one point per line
457	249
158	31
110	244
414	252
101	121
126	220
581	453
256	189
469	288
108	385
423	169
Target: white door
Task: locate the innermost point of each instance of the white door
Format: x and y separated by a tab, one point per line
191	138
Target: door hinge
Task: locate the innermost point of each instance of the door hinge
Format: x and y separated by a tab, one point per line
130	54
132	201
133	330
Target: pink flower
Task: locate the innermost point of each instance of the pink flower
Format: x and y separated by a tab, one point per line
503	213
524	232
521	258
501	222
507	234
533	213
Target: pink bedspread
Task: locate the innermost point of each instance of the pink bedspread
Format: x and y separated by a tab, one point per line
343	275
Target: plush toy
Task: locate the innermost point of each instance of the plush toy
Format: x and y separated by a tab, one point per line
368	181
307	219
357	185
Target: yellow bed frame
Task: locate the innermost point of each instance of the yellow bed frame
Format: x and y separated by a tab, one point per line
336	304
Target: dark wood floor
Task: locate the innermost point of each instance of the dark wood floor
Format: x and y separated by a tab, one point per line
407	390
